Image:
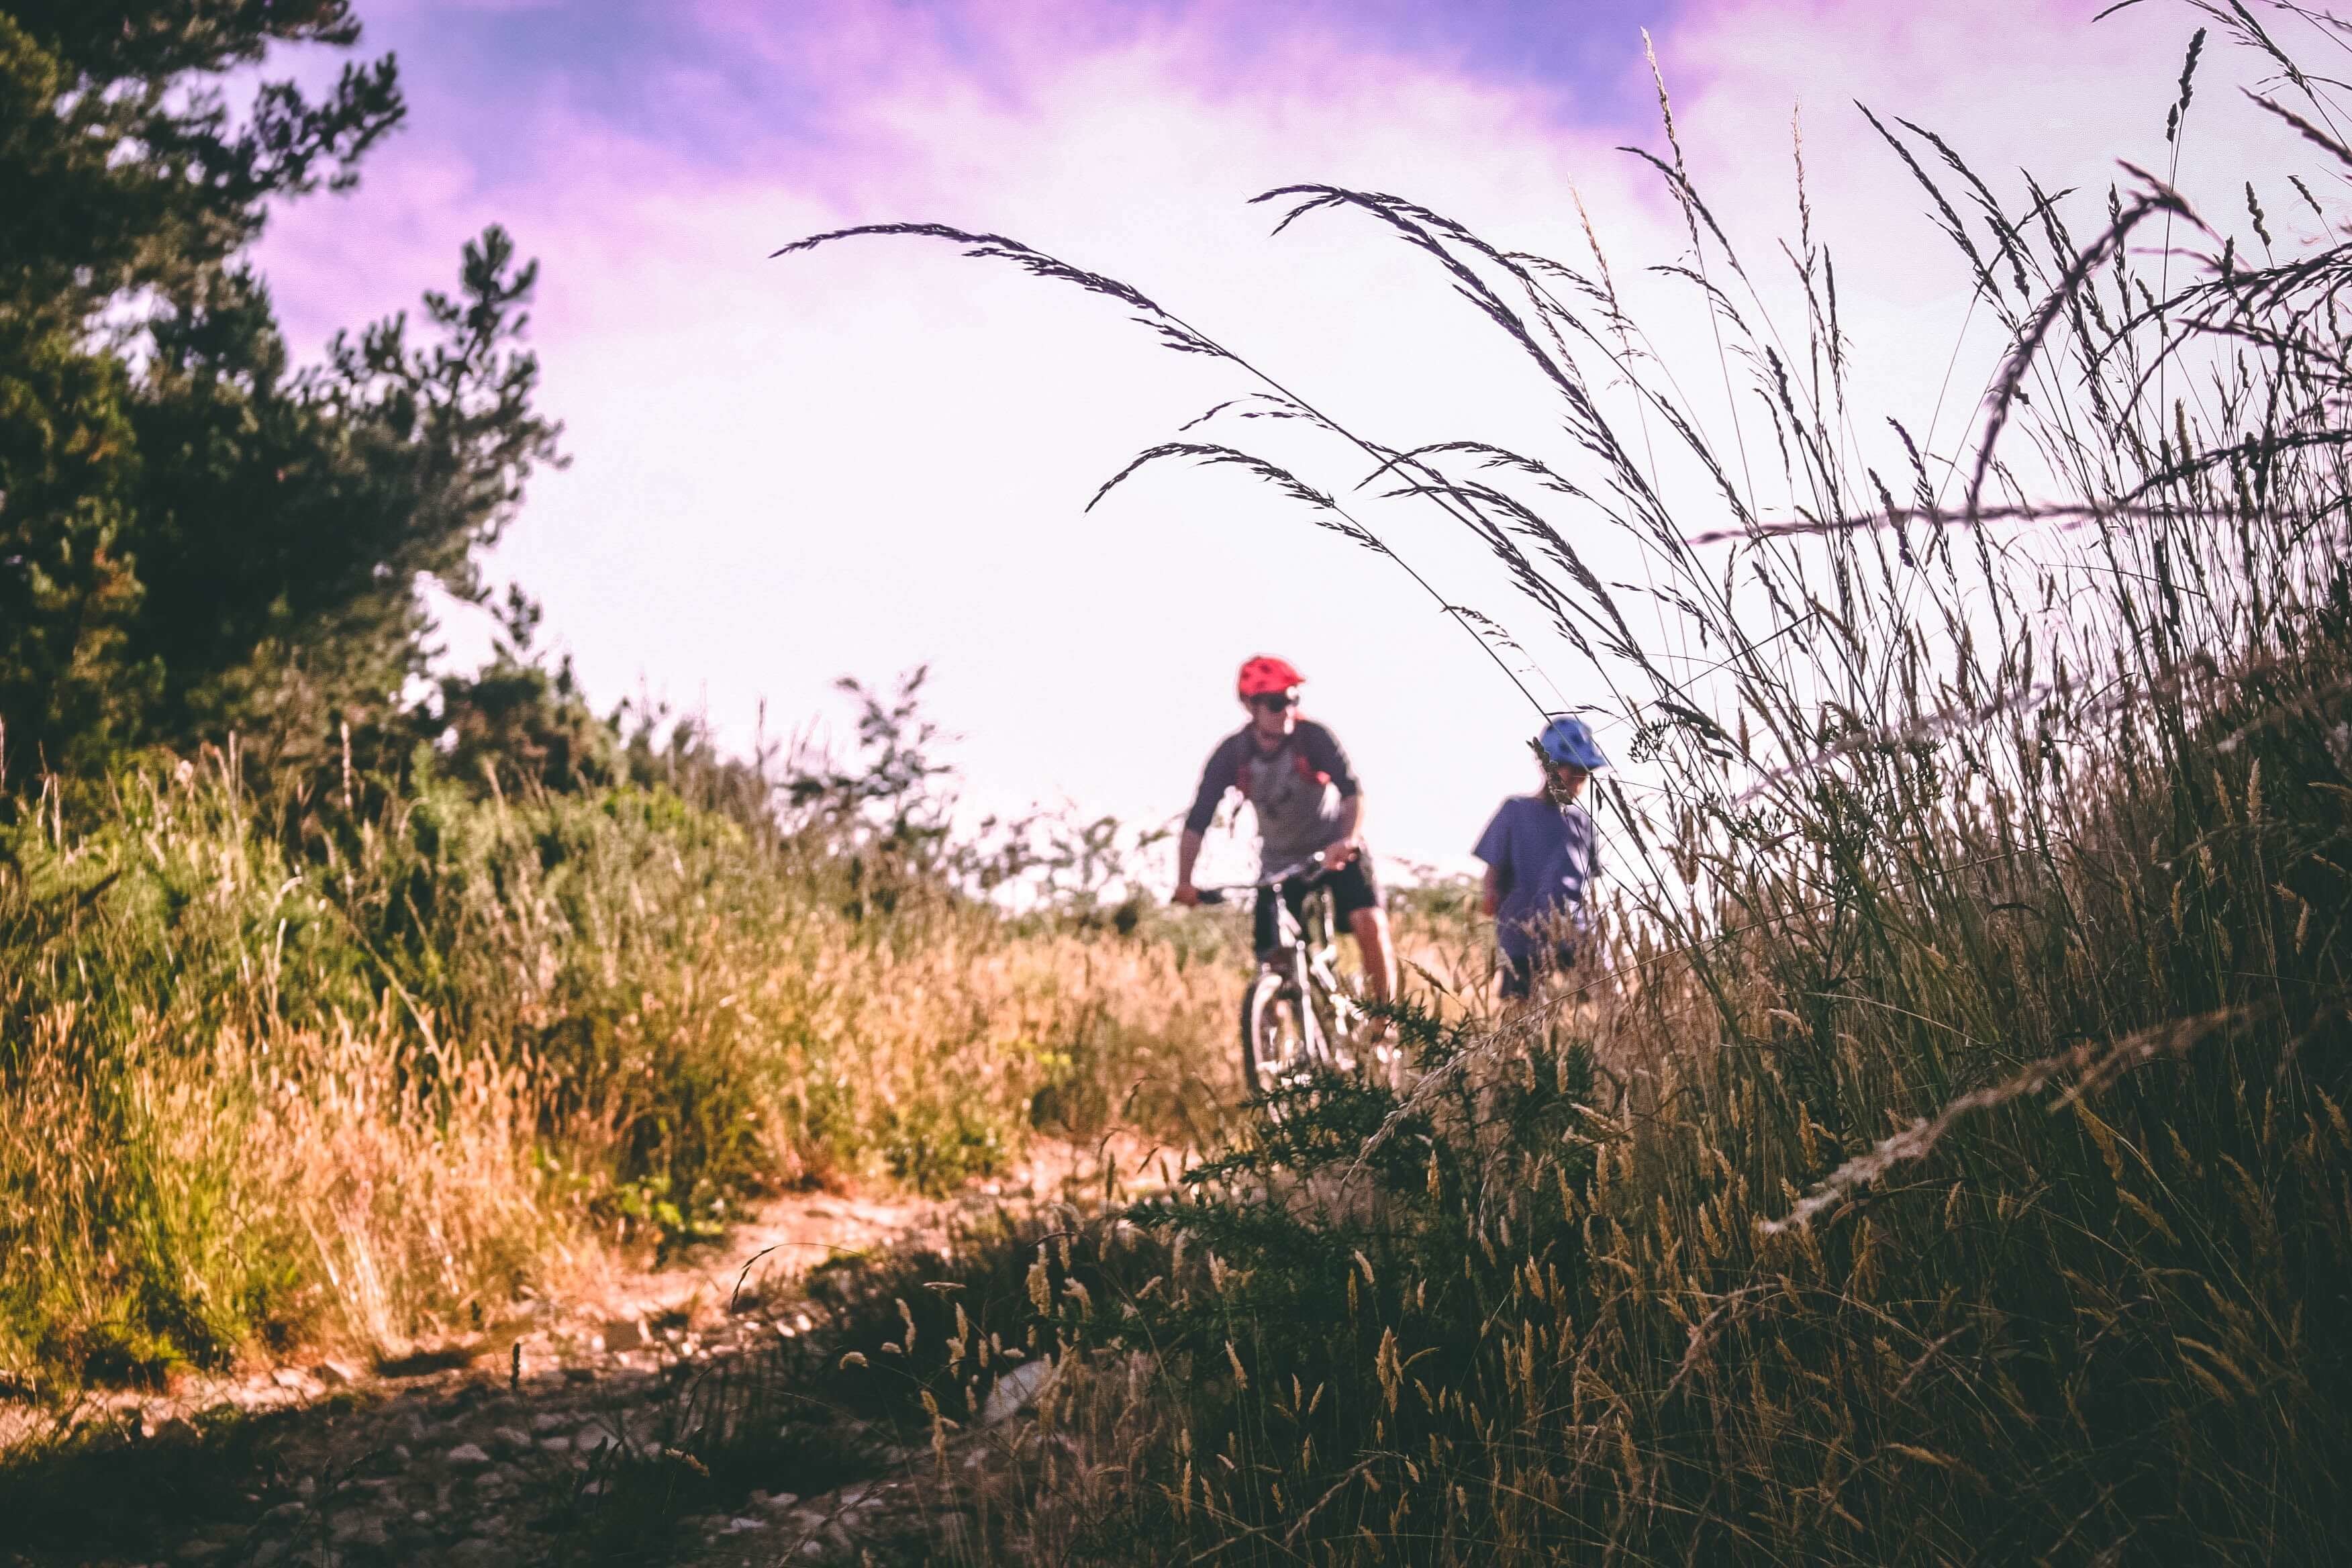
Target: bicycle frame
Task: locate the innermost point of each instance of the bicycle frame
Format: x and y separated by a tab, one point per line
1305	955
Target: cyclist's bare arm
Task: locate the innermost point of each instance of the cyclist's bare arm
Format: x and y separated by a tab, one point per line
1491	891
1188	855
1350	840
1219	778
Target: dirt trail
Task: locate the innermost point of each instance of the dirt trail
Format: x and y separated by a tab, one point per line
478	1451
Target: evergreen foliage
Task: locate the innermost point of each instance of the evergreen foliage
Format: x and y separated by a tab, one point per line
197	536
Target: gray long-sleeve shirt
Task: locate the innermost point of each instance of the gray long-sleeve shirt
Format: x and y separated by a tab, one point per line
1295	790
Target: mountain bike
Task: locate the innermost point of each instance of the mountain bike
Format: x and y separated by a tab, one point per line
1300	1019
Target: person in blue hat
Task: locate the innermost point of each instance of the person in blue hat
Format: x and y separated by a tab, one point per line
1542	856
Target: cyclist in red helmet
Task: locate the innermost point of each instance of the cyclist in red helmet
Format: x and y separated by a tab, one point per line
1308	805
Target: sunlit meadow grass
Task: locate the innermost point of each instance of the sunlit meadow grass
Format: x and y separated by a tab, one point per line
371	1079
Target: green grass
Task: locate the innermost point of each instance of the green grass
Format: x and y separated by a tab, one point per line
276	1067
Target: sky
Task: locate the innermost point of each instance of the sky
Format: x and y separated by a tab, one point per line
879	454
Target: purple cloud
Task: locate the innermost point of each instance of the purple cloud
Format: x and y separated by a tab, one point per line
728	80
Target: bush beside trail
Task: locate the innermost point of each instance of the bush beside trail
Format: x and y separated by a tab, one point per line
277	1067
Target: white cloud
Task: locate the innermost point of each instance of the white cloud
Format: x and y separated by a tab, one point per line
877	455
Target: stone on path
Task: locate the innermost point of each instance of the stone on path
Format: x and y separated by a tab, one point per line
1016	1392
468	1457
358	1530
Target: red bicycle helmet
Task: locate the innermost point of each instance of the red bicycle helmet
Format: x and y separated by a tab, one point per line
1266	673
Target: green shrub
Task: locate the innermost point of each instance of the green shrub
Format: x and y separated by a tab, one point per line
374	1072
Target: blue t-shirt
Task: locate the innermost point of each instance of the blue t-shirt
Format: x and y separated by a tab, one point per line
1546	858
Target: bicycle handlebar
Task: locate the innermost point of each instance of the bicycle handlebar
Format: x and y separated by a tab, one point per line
1312	870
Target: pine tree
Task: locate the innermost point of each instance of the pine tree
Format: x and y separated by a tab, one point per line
196	537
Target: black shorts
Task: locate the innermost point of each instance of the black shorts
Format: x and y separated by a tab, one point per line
1355	886
1519	974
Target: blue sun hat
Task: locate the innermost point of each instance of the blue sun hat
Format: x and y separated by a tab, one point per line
1568	742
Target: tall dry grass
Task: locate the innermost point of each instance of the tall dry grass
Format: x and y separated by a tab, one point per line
1957	1171
273	1070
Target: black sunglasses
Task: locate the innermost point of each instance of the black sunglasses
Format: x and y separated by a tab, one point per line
1274	701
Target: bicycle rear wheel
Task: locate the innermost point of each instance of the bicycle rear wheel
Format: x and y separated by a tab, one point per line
1274	1052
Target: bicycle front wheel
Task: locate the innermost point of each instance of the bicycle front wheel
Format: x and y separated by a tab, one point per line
1274	1034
